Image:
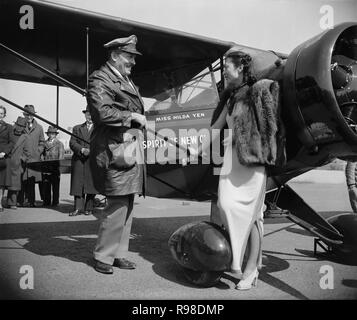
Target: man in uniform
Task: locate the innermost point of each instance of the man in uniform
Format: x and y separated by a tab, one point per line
117	111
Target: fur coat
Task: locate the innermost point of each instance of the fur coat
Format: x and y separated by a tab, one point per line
258	132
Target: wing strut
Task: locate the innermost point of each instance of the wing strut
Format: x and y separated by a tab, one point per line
57	87
303	215
188	195
87	56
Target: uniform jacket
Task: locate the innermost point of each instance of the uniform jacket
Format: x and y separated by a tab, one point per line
351	174
33	148
111	100
81	173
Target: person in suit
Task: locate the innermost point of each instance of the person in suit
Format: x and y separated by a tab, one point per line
33	149
117	110
53	150
82	187
15	163
6	145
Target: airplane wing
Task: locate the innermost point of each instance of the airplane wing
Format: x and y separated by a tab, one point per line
58	42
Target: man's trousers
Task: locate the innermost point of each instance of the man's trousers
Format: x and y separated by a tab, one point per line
114	231
50	182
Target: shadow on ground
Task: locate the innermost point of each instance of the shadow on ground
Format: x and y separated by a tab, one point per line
62	239
75	240
150	241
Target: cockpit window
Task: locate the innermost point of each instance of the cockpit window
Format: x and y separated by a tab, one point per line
199	93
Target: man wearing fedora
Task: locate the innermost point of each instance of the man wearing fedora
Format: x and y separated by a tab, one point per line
53	150
32	150
117	110
82	187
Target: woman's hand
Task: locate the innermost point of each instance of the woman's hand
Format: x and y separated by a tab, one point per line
194	154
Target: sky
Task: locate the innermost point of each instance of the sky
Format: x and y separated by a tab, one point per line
278	25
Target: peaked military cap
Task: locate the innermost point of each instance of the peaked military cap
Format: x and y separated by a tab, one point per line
125	44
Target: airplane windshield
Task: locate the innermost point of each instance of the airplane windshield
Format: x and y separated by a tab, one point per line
199	93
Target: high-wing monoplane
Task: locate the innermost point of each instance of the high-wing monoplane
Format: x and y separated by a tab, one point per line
180	76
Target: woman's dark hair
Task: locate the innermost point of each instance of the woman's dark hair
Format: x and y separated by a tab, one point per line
240	58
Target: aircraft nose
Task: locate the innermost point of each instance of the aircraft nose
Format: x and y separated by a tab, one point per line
327	85
344	75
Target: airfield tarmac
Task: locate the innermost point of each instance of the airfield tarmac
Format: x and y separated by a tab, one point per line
59	249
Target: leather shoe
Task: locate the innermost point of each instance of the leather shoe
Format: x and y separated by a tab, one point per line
123	263
88	212
103	267
74	213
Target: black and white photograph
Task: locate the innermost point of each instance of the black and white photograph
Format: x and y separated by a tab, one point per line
192	151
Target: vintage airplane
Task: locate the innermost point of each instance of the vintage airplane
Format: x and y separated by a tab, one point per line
180	75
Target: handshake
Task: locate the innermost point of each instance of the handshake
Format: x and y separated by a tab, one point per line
85	152
194	154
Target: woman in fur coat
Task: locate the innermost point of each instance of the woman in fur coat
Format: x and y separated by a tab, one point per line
249	108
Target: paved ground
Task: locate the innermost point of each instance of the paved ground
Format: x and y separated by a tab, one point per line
58	248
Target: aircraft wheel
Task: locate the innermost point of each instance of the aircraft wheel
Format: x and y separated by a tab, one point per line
346	224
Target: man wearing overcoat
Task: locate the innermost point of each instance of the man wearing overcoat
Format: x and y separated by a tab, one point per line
15	167
32	149
117	110
82	186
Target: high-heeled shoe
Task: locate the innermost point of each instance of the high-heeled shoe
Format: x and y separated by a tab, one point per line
248	282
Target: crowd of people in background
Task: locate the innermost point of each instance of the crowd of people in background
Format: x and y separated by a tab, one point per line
23	143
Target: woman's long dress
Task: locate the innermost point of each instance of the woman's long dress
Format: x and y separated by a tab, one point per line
241	195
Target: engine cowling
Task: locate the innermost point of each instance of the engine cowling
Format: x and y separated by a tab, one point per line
320	88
